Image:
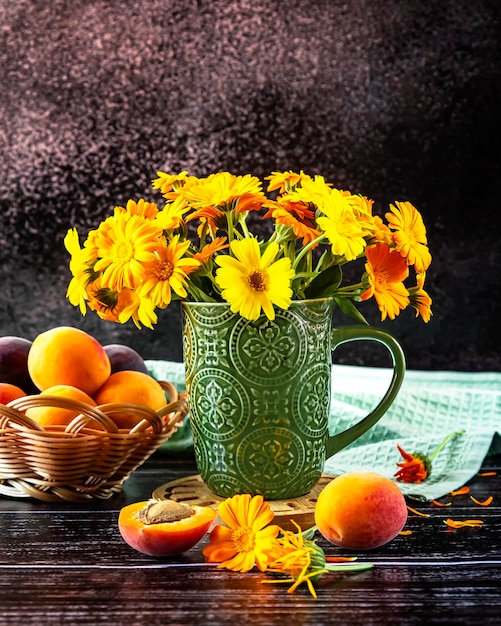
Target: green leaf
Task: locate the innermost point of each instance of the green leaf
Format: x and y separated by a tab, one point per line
325	284
350	309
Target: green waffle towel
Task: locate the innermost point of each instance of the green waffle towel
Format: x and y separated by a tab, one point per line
428	407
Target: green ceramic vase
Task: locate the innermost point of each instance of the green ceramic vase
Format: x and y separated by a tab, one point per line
259	394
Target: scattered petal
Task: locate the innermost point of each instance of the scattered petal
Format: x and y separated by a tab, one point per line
471	523
418	512
484	503
405	533
339	559
459	492
487	474
437	503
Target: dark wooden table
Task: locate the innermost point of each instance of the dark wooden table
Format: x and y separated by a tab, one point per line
67	564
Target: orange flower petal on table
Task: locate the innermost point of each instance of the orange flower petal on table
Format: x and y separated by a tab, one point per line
485	502
405	533
487	474
470	523
437	503
418	512
459	492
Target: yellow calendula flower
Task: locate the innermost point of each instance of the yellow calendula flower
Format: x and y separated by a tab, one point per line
225	191
172	215
252	283
76	292
409	235
341	226
248	536
166	183
123	244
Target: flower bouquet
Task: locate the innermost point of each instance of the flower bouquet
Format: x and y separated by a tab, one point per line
198	246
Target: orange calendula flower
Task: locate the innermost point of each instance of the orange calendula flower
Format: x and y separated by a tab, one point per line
141	207
166	273
420	300
409	235
386	271
208	251
468	523
297	215
248	537
416	467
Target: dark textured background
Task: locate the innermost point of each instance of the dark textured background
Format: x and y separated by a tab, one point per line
396	100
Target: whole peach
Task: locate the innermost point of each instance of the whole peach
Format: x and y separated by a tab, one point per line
68	356
360	510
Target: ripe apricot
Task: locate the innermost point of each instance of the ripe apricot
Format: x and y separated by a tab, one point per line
360	510
48	416
68	356
10	392
131	387
164	528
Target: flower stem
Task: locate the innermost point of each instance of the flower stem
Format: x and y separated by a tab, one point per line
444	443
309	246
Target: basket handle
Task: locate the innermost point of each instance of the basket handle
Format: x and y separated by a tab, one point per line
87	412
10	416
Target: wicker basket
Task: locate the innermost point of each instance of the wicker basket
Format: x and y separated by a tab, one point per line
79	462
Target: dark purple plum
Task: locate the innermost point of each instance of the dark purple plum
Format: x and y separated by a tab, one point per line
124	358
14	363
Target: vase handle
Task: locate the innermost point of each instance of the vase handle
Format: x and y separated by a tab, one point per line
346	334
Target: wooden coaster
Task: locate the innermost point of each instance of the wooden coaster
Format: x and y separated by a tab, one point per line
193	490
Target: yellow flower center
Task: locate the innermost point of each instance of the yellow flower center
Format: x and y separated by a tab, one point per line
256	281
244	539
124	250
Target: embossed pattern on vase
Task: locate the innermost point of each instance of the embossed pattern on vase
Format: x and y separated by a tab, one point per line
259	397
